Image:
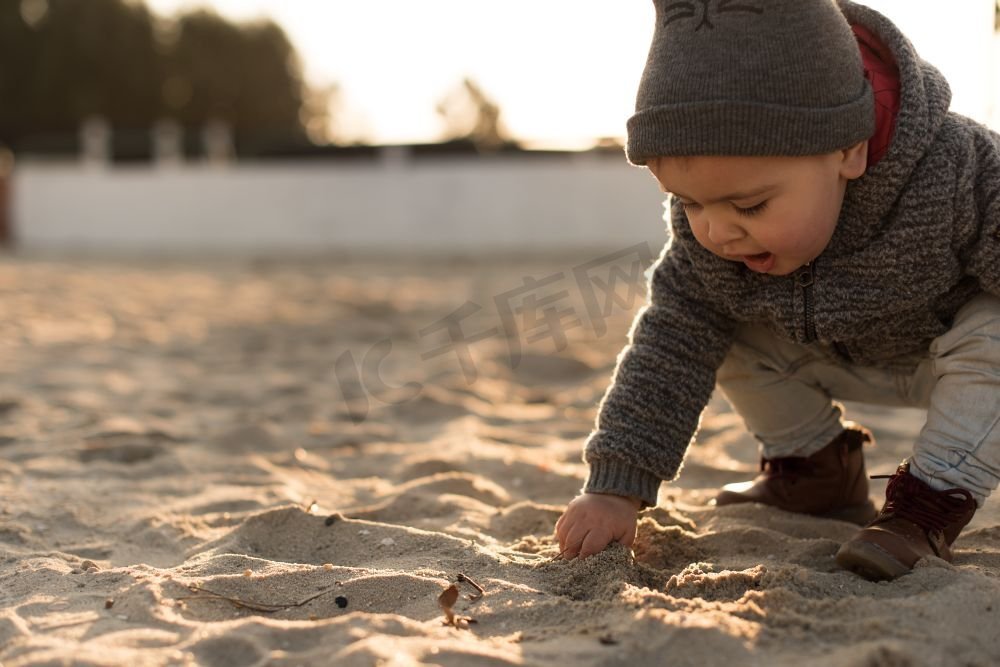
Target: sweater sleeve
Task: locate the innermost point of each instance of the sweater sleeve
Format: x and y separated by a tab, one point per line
662	383
980	242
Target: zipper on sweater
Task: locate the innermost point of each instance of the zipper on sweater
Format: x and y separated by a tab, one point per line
805	279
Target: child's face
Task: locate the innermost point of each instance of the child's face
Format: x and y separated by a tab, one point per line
774	214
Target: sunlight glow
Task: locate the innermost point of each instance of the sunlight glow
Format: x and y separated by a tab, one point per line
563	72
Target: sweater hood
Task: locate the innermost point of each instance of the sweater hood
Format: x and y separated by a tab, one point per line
924	100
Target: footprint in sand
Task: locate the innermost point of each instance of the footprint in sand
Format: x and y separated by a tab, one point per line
127	441
256	438
291	535
544	369
126	452
431	503
427	468
522	520
428	410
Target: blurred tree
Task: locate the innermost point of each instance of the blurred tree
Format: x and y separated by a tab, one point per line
248	76
468	113
94	57
316	116
62	61
18	50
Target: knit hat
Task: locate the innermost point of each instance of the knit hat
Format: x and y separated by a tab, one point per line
750	77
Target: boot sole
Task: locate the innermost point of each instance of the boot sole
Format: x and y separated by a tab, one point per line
870	561
857	514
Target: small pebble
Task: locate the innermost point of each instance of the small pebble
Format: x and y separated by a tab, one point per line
364	532
313	617
248	572
88	564
341	601
387	542
327	566
109	603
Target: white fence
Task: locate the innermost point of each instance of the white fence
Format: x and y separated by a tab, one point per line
397	203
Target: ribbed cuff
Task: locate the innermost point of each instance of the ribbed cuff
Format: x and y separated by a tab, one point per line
733	127
622	479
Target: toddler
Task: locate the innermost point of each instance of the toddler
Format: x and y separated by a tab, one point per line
835	234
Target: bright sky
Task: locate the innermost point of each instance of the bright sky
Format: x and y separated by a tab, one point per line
564	72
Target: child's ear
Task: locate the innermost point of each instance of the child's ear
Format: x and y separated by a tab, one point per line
854	160
653	167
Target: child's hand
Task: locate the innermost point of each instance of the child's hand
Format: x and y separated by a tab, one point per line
592	521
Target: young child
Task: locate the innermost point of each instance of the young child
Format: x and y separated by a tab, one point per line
835	235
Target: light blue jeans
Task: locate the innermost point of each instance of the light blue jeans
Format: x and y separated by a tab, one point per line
786	395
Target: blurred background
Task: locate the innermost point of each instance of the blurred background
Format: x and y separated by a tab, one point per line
298	125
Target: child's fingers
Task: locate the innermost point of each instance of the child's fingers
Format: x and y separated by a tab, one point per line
574	540
595	542
563	526
628	537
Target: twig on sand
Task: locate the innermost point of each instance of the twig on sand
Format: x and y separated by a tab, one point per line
205	594
468	580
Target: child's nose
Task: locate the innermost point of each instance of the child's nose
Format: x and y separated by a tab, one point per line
721	232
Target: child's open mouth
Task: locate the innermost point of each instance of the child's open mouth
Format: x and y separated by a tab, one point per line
761	262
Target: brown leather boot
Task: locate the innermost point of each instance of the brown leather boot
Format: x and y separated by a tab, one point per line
916	521
831	483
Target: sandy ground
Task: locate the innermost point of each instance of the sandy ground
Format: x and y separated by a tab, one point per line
287	463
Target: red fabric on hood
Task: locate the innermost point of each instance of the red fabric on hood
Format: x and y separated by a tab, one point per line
883	74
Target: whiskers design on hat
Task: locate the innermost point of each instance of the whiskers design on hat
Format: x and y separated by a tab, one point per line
750	77
676	11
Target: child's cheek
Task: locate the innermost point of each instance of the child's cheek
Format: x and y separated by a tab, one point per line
805	243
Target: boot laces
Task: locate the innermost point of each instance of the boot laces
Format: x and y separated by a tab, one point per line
909	498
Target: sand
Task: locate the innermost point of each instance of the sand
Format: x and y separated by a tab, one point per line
222	463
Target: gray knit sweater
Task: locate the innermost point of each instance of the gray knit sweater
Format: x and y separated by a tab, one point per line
918	236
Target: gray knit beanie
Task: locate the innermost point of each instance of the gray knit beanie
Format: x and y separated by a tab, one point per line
750	77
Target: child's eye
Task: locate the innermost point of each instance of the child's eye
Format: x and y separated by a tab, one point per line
752	210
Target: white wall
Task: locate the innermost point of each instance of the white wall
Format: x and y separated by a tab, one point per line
456	204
